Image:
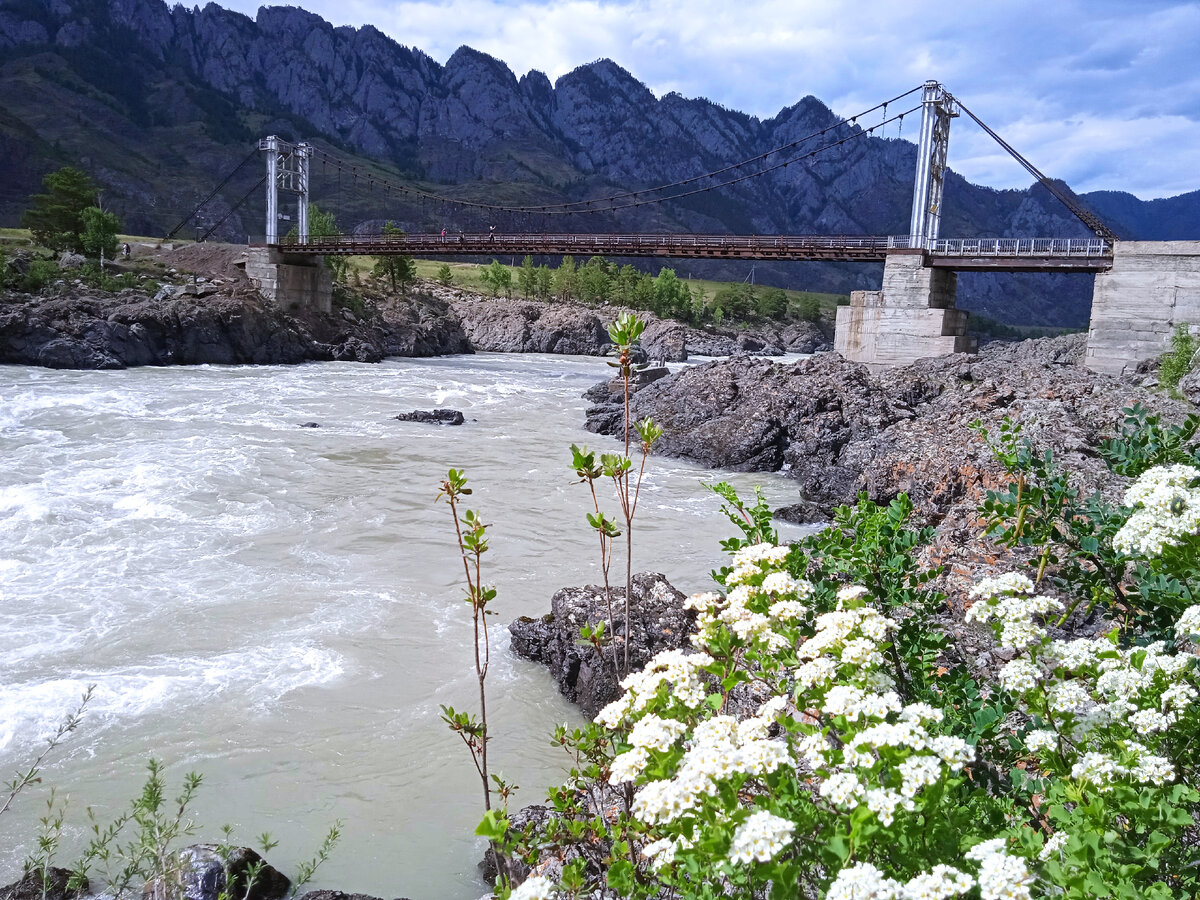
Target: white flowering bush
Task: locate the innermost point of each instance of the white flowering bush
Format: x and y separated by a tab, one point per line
820	740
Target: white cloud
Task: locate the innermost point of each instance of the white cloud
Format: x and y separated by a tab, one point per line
1102	93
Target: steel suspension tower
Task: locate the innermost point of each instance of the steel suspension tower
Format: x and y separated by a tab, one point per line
937	110
287	170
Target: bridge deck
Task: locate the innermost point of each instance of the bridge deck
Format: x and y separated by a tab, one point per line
962	254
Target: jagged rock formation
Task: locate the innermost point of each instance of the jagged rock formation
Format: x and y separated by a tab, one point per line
121	86
501	325
838	429
516	326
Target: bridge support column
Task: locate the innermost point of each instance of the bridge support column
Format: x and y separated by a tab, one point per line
910	318
292	280
1152	287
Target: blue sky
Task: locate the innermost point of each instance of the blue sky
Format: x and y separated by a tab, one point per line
1103	94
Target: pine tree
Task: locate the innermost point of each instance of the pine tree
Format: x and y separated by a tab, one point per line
56	217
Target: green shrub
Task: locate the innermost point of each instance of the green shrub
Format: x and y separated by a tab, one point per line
1179	358
41	272
807	308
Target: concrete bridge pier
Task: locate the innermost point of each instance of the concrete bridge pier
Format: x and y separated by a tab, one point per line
293	280
912	317
1152	287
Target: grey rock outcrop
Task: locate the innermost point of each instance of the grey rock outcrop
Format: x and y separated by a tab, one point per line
95	330
1189	386
665	341
584	675
838	429
32	887
517	326
206	872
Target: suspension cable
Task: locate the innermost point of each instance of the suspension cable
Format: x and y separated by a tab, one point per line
637	198
233	208
779	165
174	231
1067	197
604	204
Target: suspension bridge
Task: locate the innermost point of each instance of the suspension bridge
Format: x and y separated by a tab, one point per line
912	316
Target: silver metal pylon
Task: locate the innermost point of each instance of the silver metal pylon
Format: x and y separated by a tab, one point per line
287	170
938	109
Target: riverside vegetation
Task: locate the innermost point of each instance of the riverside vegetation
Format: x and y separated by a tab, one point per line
823	739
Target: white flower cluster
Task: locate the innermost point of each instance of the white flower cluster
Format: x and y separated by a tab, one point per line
720	748
655	733
677	668
1189	622
1092	689
759	601
662	852
863	881
1167	509
852	635
748	562
535	887
1009	600
931	758
1053	845
760	838
1001	877
843	679
1102	770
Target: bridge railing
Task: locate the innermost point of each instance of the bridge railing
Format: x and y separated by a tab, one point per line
635	241
1069	247
841	246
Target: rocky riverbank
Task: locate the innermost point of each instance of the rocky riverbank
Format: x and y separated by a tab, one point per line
205	872
201	308
196	305
838	429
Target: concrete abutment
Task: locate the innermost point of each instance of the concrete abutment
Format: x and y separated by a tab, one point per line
1152	287
292	280
911	317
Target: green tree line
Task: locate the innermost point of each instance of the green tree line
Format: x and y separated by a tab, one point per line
666	295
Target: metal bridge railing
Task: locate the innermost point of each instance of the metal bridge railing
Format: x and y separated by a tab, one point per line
636	241
1059	247
861	247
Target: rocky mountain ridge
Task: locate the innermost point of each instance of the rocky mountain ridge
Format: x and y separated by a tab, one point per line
158	102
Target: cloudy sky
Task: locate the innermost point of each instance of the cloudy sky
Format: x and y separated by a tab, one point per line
1102	93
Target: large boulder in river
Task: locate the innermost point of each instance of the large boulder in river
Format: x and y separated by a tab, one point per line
433	416
211	872
665	341
55	886
584	675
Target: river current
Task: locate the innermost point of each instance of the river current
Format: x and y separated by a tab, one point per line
279	608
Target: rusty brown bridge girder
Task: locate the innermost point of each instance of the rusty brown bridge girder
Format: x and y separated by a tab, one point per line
840	248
